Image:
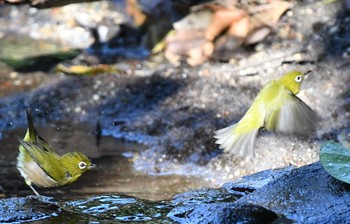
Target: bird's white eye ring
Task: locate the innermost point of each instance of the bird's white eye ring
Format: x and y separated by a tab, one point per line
82	165
298	78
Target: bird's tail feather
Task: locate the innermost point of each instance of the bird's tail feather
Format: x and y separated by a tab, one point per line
31	132
238	144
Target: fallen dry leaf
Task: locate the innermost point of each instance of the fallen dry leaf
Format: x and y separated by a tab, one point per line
201	53
86	70
224	18
134	10
241	26
187	43
268	14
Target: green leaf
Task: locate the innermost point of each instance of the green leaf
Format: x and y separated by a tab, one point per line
335	159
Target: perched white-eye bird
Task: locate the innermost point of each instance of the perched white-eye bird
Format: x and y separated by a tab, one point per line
276	108
39	164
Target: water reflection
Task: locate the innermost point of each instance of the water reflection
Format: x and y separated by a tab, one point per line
121	208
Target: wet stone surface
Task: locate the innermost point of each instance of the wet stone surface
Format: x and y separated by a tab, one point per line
306	195
95	209
303	195
27	209
222	213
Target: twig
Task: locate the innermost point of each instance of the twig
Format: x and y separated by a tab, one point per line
279	57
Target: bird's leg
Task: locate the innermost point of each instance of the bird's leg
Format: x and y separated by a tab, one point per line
31	187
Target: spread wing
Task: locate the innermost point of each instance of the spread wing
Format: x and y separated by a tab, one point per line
238	144
46	159
239	138
292	117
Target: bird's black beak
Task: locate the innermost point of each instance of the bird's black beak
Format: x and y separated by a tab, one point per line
307	72
92	166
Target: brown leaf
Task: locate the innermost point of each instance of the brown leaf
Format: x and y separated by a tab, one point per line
222	19
201	53
196	43
185	43
134	10
240	28
269	14
278	8
196	50
183	40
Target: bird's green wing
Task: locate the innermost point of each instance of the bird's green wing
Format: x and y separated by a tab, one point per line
32	135
292	116
44	145
233	143
239	138
46	159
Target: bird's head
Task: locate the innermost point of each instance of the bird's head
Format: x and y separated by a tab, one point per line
292	81
76	164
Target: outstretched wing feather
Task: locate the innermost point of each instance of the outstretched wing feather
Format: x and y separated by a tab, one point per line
46	160
295	117
238	144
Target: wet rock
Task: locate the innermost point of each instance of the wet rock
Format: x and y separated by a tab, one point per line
222	213
219	206
120	208
205	195
306	195
102	208
27	209
303	195
250	183
216	206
